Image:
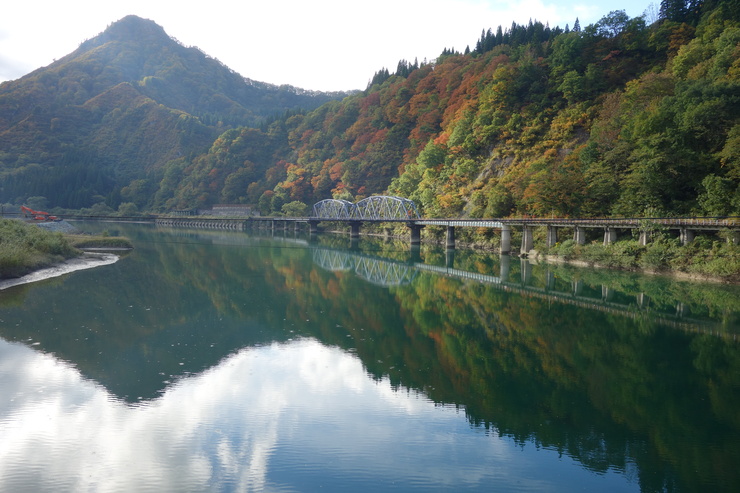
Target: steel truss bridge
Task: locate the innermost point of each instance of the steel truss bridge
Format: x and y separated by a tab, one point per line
374	208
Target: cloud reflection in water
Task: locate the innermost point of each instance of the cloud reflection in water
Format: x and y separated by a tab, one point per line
284	417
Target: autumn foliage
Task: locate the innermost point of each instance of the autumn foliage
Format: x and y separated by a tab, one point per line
622	117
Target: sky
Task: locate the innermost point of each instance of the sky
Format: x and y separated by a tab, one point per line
324	45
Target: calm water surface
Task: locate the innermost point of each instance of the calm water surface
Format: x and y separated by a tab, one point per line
206	361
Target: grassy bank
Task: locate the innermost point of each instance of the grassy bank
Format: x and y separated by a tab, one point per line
703	257
25	248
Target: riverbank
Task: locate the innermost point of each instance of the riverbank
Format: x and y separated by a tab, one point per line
87	261
29	253
703	259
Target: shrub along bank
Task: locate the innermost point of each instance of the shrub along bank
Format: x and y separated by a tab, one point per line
26	247
704	256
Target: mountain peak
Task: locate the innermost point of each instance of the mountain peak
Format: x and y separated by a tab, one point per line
130	28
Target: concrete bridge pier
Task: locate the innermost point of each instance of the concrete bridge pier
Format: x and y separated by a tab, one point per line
610	236
527	240
687	236
450	243
579	235
505	239
313	227
644	238
415	233
552	236
354	232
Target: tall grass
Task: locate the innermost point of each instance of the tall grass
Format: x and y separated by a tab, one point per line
26	247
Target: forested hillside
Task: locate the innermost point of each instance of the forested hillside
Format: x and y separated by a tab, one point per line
622	117
117	110
617	118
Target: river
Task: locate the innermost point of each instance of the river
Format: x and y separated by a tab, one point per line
224	361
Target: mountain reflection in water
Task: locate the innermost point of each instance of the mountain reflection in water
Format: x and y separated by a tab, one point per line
222	359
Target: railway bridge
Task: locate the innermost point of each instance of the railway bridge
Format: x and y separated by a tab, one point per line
389	210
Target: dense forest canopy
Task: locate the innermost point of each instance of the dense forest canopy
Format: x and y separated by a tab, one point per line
620	117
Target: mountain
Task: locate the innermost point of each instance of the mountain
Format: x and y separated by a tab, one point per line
119	108
617	118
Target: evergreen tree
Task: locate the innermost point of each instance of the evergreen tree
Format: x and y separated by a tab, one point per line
673	10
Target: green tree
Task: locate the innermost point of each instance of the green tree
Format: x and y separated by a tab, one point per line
720	196
127	209
37	203
295	209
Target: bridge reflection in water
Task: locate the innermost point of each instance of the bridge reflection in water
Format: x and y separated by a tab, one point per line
386	272
514	275
376	270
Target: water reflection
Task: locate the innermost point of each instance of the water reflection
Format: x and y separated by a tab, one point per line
558	284
244	425
472	372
